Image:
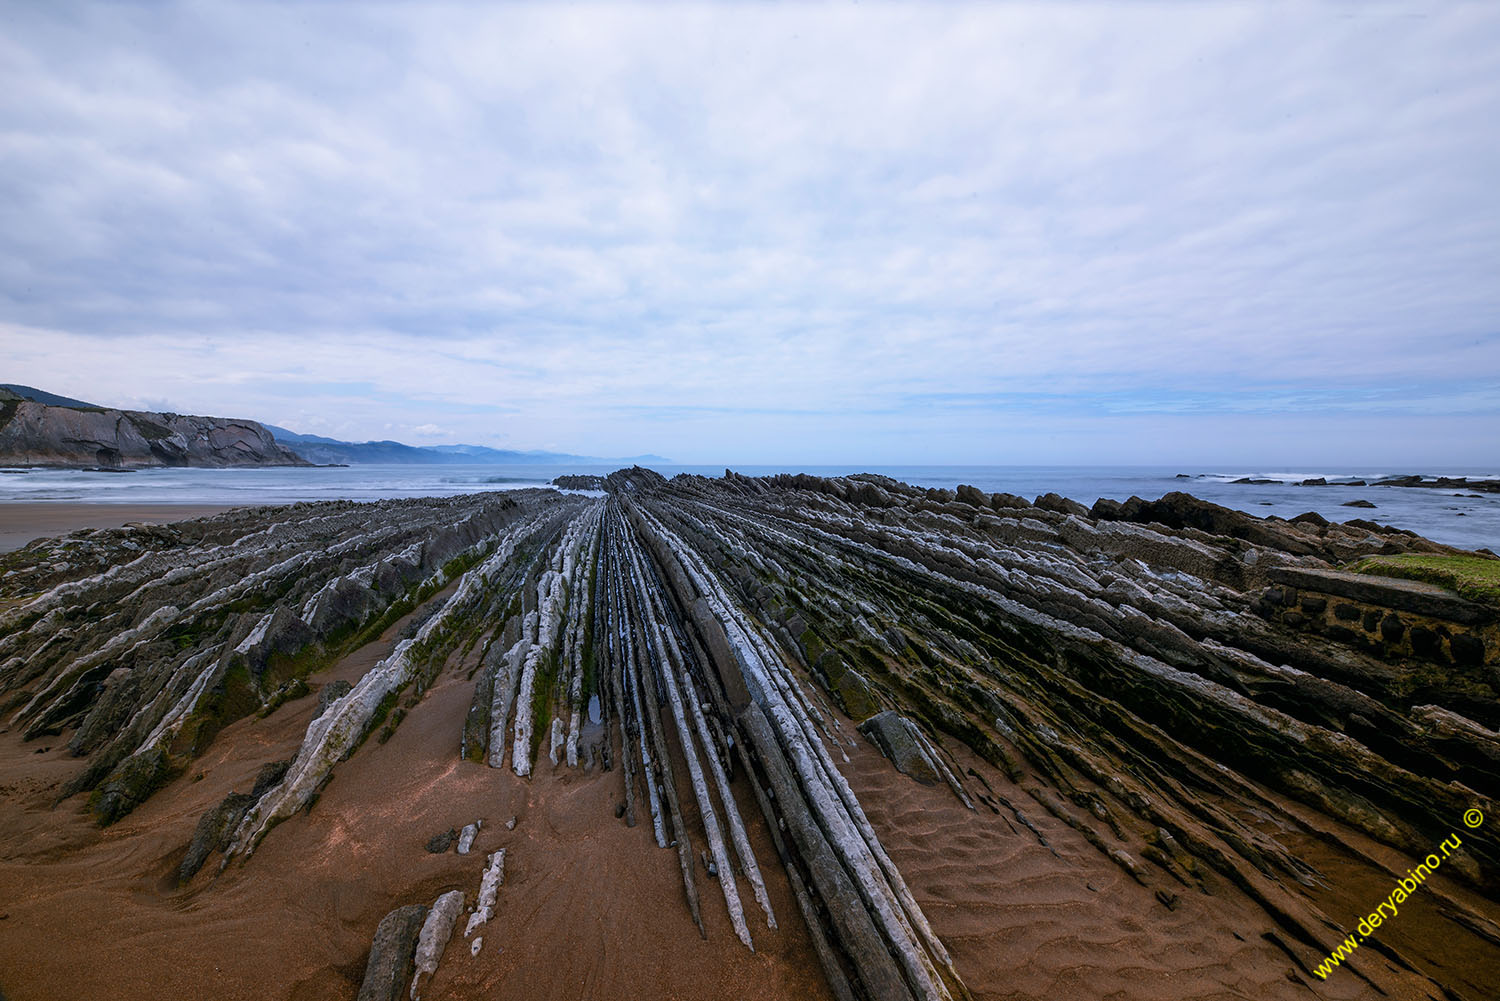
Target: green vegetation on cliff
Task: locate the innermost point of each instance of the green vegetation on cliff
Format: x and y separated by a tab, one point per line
1475	577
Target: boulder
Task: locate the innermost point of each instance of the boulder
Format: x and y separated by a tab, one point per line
115	704
1357	503
635	480
899	740
391	964
1180	510
340	602
972	495
1105	509
1002	501
281	631
1061	504
858	698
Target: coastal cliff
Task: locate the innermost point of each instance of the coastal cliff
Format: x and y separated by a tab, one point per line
36	434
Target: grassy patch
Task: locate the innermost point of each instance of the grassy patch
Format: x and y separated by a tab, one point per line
150	430
1475	577
586	690
541	702
294	689
383	621
383	710
389	730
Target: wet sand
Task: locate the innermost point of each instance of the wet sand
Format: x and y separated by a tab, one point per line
23	521
590	908
1027	921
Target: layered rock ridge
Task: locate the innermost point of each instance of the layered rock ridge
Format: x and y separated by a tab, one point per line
1134	672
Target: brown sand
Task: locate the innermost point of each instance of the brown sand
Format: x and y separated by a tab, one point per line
23	521
589	908
1021	922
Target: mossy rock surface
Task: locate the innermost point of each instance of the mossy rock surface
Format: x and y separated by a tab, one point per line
1474	577
859	699
129	786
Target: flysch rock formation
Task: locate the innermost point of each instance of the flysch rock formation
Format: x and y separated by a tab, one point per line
1197	697
35	434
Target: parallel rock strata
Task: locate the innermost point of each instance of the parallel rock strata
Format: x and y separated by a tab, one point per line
1132	670
35	434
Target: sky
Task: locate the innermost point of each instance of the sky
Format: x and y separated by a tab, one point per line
758	233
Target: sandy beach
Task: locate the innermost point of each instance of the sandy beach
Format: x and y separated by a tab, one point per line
23	521
589	906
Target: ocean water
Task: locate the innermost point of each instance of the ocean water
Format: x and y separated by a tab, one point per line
1448	516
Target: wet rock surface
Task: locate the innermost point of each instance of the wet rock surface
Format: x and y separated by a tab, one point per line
1168	679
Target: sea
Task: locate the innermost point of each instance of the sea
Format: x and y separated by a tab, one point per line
1455	517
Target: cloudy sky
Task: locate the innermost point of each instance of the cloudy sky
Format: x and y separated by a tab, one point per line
746	233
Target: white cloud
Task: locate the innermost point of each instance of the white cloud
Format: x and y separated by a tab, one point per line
540	223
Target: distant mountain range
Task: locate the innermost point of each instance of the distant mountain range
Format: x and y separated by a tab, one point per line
316	448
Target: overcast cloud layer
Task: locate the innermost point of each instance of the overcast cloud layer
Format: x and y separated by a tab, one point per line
1002	233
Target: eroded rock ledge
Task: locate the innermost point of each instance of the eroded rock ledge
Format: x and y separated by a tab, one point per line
1160	676
35	434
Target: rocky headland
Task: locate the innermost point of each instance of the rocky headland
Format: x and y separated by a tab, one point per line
1408	480
768	737
39	434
